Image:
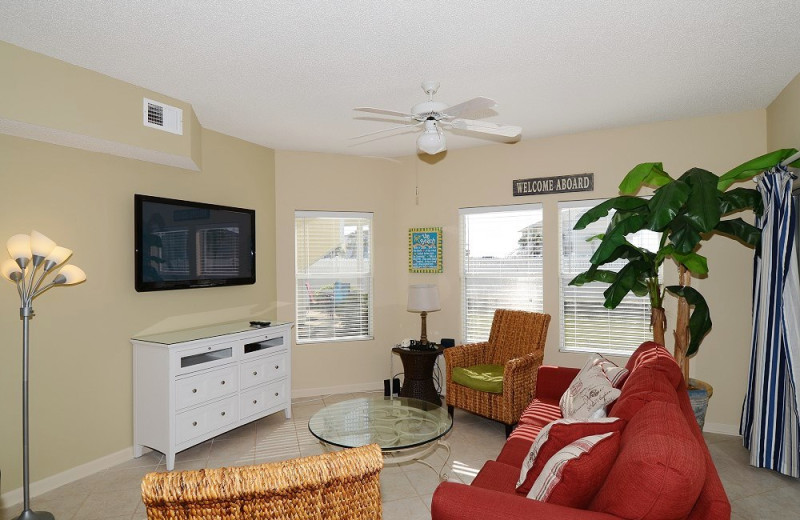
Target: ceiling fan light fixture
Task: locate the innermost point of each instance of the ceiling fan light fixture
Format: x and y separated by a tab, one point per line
431	141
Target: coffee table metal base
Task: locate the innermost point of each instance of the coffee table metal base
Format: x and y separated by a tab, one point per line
417	454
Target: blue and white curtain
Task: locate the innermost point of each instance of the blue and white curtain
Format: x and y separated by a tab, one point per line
770	422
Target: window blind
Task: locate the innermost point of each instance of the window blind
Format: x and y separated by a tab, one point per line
333	275
586	325
501	252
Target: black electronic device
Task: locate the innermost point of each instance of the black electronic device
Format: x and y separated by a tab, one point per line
260	323
185	245
416	345
448	342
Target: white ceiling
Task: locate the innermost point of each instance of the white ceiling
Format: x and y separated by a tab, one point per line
287	74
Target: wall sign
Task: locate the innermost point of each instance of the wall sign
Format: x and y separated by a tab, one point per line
559	184
425	250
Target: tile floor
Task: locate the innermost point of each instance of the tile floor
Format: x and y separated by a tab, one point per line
407	489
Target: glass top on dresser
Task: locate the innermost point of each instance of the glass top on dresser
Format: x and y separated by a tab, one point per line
209	331
392	423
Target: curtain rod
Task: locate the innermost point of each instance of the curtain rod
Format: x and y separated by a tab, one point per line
790	160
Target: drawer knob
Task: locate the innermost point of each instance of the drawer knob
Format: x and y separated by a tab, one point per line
276	394
194	390
255	373
223	382
194	423
255	401
276	367
223	414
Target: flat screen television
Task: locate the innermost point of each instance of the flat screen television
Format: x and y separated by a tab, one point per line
185	245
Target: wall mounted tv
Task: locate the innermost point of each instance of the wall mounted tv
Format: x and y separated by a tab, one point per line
185	245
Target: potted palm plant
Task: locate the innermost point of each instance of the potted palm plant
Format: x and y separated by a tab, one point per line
686	211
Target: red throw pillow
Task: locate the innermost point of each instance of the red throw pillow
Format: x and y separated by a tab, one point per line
573	475
555	436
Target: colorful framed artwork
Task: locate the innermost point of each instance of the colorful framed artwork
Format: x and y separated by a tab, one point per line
425	250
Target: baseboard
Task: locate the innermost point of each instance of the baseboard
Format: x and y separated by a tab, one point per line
721	428
376	386
52	482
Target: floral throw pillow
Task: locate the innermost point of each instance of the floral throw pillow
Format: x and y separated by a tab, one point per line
592	389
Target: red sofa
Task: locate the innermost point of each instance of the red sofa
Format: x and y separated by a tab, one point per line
663	469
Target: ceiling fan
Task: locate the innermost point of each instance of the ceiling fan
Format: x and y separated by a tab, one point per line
435	116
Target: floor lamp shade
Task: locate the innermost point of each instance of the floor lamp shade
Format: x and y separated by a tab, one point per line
423	298
28	252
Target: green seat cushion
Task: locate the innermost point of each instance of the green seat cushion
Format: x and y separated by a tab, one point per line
484	378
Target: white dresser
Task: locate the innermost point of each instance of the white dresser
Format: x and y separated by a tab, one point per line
191	385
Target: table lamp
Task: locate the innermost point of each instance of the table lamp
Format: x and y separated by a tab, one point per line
29	253
423	298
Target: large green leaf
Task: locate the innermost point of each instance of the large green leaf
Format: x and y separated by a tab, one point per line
740	229
615	237
755	166
645	174
684	237
601	210
594	275
700	319
626	279
740	199
697	264
702	205
666	203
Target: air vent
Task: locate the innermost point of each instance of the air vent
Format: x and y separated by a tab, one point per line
164	117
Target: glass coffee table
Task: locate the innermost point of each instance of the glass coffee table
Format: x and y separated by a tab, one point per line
406	429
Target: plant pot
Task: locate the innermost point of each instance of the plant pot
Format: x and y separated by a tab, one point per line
699	394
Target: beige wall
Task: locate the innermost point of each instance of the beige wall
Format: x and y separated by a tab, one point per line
783	118
420	193
81	400
54	95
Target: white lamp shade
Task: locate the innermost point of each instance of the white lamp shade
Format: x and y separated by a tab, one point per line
41	245
69	275
431	141
9	269
19	246
423	298
58	256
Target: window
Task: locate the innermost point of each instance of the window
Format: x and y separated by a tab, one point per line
501	251
585	324
333	276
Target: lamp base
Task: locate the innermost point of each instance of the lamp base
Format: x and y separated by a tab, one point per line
35	515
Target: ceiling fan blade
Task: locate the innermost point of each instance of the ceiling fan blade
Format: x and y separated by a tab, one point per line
473	105
381	111
391	128
486	127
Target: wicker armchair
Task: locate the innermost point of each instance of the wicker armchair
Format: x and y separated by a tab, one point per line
339	485
517	342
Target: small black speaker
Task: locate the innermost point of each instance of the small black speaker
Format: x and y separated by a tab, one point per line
386	388
396	385
447	342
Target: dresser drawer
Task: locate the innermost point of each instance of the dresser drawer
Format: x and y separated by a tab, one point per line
264	369
200	421
261	398
197	389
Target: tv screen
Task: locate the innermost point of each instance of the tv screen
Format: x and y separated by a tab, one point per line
184	245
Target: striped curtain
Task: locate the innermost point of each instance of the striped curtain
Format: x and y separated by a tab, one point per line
770	423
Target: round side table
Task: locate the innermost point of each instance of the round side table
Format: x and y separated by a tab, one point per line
418	374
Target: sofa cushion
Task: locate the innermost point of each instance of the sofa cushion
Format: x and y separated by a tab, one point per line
652	381
572	476
660	469
556	436
483	378
496	476
590	392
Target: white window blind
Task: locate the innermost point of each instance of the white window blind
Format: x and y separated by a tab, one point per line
586	325
333	275
501	252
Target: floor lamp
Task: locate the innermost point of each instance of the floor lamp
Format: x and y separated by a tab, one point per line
28	254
